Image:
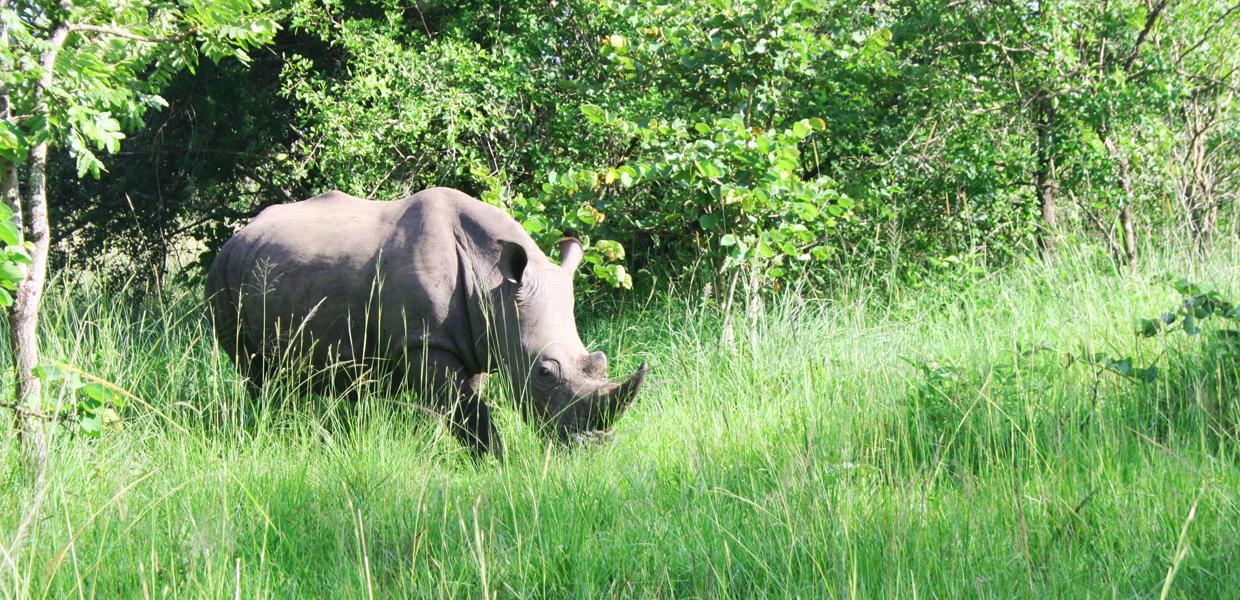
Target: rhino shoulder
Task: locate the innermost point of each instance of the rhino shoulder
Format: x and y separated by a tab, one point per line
327	201
477	218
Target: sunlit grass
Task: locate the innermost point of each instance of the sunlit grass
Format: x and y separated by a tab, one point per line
947	443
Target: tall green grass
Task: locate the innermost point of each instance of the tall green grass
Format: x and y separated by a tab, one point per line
921	443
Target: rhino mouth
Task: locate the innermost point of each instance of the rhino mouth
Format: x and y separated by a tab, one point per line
597	412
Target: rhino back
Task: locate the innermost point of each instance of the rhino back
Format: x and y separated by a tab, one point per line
364	279
308	270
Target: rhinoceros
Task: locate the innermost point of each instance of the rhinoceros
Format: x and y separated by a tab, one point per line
428	293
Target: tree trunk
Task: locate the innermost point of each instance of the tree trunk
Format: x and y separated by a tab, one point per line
1044	174
24	320
1125	212
1130	235
8	170
25	317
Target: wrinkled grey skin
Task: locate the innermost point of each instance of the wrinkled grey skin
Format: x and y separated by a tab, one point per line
429	292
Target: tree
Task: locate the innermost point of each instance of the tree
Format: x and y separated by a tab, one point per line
79	74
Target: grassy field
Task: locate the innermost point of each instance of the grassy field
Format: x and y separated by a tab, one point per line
921	443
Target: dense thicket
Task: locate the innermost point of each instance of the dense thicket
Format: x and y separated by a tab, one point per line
765	137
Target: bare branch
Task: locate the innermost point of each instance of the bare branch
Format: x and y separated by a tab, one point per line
1028	101
982	43
1210	80
26	412
1209	32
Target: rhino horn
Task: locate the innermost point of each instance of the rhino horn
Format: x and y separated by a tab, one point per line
616	401
602	410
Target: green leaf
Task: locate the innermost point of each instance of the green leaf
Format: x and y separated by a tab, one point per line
1190	325
11	272
727	240
1186	287
103	393
710	220
1148	327
18	254
91	424
13	146
702	128
6	300
801	128
87	162
48	372
8	232
610	249
594	113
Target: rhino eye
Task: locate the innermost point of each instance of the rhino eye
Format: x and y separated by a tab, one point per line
547	371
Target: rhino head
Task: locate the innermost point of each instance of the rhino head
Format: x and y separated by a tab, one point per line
557	382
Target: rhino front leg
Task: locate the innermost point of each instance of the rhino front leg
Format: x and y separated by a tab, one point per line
472	423
446	384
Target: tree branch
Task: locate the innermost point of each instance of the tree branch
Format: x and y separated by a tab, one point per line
1210	80
26	412
1150	20
128	35
1027	102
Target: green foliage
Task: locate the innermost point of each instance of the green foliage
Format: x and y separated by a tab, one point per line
1204	314
742	186
1201	348
721	164
936	128
111	65
13	144
13	254
89	401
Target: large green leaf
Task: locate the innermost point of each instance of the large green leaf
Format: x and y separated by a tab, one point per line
8	232
13	147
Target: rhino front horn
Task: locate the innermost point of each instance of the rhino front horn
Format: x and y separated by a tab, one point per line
615	401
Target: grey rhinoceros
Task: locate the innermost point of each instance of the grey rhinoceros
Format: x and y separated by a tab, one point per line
429	293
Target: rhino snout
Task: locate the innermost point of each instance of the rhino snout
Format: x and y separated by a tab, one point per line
600	410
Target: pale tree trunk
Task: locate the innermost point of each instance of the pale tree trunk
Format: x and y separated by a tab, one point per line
24	320
1130	235
1125	213
1044	175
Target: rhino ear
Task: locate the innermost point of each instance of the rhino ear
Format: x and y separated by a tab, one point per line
570	254
512	261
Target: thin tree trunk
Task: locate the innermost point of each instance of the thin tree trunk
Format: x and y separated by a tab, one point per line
1130	235
1044	175
8	170
24	319
1125	212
